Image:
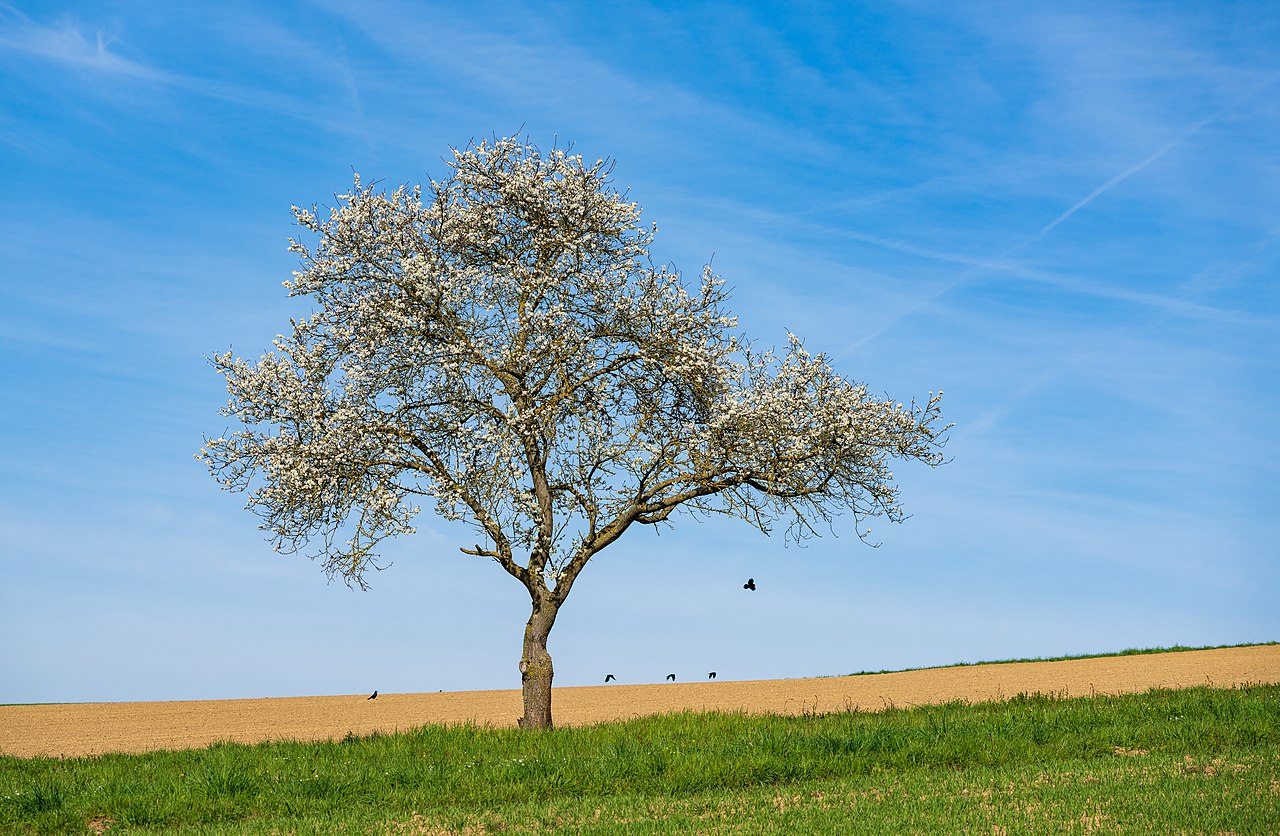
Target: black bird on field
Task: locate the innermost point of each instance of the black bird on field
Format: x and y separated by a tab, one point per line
671	677
608	677
711	675
372	696
750	584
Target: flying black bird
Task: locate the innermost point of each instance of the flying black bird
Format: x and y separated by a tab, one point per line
750	584
711	675
671	677
373	696
608	677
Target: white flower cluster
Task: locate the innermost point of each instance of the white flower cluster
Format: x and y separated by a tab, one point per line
502	344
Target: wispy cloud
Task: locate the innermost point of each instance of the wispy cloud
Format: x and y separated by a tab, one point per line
538	70
81	47
1003	266
67	44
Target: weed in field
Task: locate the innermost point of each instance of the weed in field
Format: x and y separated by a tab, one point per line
43	795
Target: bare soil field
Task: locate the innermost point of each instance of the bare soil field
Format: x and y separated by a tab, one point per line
95	728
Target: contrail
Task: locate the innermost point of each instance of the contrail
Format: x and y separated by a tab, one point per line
1164	149
977	265
1121	177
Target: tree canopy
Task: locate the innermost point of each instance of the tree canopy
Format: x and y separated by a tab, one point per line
500	343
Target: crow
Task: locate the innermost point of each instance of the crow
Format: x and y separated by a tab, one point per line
750	584
711	675
671	677
373	696
608	677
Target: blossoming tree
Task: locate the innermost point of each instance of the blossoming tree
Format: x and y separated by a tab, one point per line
500	344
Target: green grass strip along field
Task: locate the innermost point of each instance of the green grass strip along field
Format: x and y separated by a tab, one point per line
1198	760
1133	651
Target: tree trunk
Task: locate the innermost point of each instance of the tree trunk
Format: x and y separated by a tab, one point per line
535	667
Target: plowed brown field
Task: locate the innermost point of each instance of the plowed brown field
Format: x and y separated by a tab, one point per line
95	728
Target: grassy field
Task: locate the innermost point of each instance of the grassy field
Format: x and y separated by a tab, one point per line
1197	760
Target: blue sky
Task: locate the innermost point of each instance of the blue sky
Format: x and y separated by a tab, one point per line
1065	215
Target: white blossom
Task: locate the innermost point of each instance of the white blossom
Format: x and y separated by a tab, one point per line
501	345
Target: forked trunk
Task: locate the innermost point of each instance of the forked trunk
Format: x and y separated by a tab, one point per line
535	668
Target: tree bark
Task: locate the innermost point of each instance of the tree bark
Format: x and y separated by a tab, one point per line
535	667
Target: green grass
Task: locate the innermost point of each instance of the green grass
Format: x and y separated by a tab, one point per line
1133	651
1198	760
